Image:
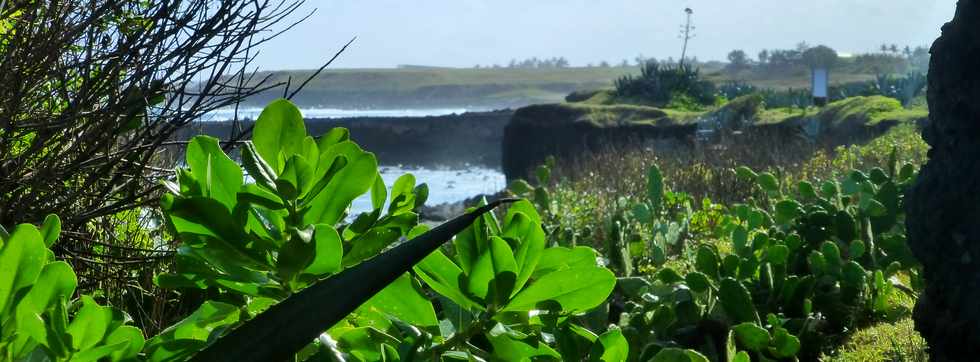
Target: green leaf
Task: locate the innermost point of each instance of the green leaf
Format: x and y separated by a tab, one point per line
742	356
369	244
698	282
297	178
444	277
50	230
496	261
752	336
333	136
778	254
706	261
807	190
54	285
402	195
524	207
787	211
507	348
353	180
610	347
856	249
679	355
22	258
737	302
379	193
279	133
404	300
768	182
746	173
329	251
532	240
90	324
785	345
187	337
561	258
131	340
212	168
257	168
520	187
575	289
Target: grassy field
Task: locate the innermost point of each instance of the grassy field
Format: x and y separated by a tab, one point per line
485	88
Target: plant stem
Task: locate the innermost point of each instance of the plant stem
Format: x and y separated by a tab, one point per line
458	339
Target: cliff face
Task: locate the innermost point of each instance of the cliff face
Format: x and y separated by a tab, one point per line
564	131
571	130
453	140
943	208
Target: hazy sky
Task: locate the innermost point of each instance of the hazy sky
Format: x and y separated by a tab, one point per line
467	32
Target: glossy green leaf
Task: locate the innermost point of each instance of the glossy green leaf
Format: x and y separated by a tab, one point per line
22	258
329	251
220	176
356	178
444	277
90	324
679	355
50	230
507	348
610	347
561	258
279	133
768	182
528	253
575	289
188	336
402	299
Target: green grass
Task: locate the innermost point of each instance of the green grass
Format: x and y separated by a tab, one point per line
486	87
882	342
869	111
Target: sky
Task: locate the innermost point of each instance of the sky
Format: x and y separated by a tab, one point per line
463	33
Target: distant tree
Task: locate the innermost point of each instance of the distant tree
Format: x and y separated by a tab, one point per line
625	63
561	62
512	64
604	64
802	47
893	48
737	60
820	56
884	48
763	56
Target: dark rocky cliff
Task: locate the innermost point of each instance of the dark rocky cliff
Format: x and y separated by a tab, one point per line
572	130
452	140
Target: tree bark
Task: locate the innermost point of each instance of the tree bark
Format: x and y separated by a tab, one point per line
943	208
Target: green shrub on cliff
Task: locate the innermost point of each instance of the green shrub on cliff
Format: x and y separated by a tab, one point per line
660	85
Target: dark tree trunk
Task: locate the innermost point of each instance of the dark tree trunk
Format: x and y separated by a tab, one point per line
944	206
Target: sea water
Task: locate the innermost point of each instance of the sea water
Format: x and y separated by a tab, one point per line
250	113
445	185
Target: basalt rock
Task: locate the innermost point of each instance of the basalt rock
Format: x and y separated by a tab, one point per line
943	208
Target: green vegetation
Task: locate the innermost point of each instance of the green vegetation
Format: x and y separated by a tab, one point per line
663	85
766	232
267	252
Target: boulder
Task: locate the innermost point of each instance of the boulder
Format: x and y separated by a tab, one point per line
943	207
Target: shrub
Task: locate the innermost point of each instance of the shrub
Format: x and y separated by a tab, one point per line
660	84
